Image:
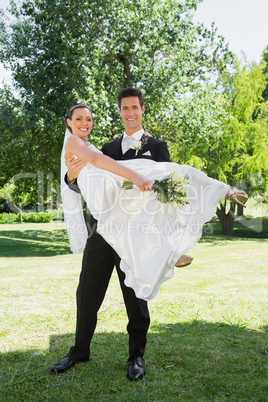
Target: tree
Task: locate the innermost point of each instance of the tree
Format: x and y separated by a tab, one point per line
265	59
14	139
62	52
21	152
237	151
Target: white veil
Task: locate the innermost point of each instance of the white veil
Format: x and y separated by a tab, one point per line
72	208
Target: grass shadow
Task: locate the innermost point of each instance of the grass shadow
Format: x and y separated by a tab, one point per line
251	228
218	240
192	361
33	243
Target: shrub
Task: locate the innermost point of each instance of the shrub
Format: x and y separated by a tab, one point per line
36	217
9	218
56	214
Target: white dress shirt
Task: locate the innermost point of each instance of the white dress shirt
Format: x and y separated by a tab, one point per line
125	142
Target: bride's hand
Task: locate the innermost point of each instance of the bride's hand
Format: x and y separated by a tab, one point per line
74	165
142	183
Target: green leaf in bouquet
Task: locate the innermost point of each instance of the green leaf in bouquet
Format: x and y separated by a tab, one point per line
127	185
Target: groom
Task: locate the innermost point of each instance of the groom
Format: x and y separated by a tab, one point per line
99	258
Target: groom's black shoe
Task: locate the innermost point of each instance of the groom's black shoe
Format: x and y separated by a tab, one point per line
136	369
65	364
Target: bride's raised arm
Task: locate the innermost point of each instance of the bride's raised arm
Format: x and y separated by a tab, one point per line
76	146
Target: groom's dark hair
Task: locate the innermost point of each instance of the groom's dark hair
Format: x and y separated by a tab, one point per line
129	92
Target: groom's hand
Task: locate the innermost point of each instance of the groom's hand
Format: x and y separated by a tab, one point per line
74	165
147	134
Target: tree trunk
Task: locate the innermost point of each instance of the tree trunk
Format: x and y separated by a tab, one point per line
128	73
240	210
20	216
226	219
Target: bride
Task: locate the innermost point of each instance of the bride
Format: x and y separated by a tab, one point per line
148	235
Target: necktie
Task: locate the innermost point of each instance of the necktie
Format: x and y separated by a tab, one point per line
127	141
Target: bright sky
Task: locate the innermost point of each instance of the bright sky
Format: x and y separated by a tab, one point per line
243	23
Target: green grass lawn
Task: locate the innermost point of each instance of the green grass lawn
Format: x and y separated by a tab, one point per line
208	338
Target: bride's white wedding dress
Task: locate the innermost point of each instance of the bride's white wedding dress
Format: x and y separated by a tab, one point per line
149	236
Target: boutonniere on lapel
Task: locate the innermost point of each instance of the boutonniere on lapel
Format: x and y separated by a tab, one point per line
138	145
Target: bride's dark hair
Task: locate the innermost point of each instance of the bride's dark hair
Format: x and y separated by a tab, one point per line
69	113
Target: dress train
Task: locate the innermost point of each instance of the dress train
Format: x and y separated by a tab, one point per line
149	236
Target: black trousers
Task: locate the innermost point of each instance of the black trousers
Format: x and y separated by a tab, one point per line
98	263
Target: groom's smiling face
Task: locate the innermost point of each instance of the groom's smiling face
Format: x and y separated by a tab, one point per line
131	113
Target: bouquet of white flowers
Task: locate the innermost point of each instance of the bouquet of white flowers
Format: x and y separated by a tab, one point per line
170	190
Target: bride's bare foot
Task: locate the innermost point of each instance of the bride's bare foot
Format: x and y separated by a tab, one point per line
237	196
183	261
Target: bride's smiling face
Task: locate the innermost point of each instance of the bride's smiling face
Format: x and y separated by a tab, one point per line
81	122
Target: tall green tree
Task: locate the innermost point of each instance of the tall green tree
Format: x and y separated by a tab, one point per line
22	156
235	151
66	51
265	59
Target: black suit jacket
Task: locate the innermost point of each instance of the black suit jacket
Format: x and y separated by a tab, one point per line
157	149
